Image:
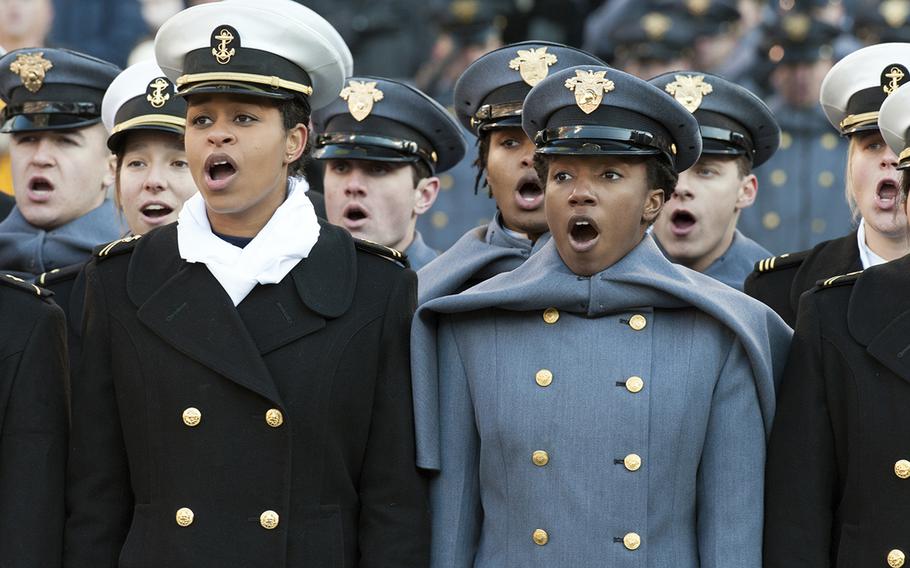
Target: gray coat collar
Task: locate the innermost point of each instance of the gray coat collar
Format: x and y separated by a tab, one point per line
642	278
419	253
737	262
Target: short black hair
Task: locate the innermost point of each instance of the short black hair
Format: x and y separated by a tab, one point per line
483	151
293	112
660	173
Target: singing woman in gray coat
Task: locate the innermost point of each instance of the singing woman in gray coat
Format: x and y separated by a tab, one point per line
598	405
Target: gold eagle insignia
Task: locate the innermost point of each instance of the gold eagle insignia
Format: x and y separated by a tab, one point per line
32	68
533	64
689	90
589	88
361	95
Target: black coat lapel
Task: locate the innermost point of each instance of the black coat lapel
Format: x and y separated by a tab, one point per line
831	258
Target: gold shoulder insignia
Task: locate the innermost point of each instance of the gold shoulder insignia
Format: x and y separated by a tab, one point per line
116	247
778	262
840	280
19	283
388	253
58	274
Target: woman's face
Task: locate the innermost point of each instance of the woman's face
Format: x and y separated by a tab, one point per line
875	184
239	152
154	180
513	181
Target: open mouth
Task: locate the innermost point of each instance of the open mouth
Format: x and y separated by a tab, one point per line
354	215
886	194
156	210
682	222
529	194
40	189
583	233
219	169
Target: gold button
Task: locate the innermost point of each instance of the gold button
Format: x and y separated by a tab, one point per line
551	315
544	377
638	322
192	417
896	558
274	417
634	384
540	537
771	220
631	541
268	520
778	178
902	469
632	462
184	516
540	458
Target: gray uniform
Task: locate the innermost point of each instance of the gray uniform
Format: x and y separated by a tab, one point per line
27	251
419	254
737	263
616	420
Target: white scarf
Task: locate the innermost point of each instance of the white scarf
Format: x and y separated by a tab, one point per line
288	237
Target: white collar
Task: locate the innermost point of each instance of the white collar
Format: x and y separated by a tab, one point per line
866	256
288	237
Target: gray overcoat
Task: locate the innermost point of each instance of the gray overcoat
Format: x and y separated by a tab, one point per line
615	420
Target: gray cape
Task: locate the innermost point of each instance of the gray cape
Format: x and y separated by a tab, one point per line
644	277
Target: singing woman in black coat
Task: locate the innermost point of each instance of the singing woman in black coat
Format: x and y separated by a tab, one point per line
244	394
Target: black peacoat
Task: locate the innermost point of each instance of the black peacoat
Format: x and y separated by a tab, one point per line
838	469
779	281
33	426
278	433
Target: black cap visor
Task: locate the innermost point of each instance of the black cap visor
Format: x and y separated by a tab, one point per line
347	146
47	121
116	141
236	88
589	140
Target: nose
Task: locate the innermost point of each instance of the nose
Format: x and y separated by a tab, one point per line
527	158
354	185
581	195
43	156
219	135
889	160
155	181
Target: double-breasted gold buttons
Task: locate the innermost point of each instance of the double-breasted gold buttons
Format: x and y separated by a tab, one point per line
631	541
635	384
896	558
274	417
184	516
540	458
192	417
551	315
638	322
902	469
543	378
540	537
268	520
632	462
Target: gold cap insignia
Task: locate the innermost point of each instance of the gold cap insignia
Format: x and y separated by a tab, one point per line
656	25
589	88
698	7
464	10
688	90
894	12
893	76
31	68
222	38
360	97
797	26
533	64
155	92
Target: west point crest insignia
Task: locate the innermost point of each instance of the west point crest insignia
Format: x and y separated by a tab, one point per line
689	90
589	88
893	76
31	68
360	96
533	64
224	41
656	25
156	92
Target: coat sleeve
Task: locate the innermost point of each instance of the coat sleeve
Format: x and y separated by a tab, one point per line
455	491
394	525
730	476
33	447
802	468
99	498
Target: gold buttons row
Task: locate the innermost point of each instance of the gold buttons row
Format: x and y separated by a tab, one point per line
632	541
896	558
636	322
544	378
192	417
185	516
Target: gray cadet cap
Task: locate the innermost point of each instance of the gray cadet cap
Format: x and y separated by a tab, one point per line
383	120
52	89
490	92
733	121
894	123
597	110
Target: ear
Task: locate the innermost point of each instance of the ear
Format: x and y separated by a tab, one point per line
653	204
110	173
295	143
427	191
748	191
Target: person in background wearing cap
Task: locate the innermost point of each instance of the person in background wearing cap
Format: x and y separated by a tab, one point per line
61	166
598	405
697	226
251	361
851	96
383	144
799	209
838	459
488	100
33	424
